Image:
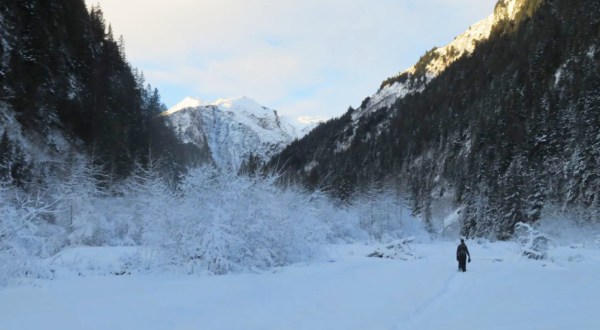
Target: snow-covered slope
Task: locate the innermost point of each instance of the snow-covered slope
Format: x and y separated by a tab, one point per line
233	129
429	66
188	102
37	146
415	78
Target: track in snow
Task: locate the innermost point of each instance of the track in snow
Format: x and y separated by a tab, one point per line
500	291
429	306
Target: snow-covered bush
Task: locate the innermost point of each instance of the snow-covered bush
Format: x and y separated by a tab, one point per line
211	222
483	242
75	194
343	222
21	242
383	216
399	250
568	227
223	222
147	199
534	244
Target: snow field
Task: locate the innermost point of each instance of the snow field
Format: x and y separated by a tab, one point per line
500	290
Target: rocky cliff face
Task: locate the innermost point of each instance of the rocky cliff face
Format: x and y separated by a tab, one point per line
232	130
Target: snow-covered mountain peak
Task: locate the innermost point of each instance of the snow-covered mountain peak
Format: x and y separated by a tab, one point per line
232	129
245	108
188	102
238	103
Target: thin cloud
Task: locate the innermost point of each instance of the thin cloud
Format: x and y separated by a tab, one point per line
309	57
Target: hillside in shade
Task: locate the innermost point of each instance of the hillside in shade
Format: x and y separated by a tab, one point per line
67	88
506	132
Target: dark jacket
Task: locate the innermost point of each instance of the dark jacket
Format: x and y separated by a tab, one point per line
462	251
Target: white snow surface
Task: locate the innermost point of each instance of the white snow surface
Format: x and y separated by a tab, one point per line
232	128
187	102
384	98
500	290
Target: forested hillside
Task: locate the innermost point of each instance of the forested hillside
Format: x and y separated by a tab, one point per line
66	86
509	133
82	145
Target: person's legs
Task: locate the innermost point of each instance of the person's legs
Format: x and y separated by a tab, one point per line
462	264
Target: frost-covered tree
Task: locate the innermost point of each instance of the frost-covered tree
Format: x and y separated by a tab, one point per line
21	232
147	199
382	213
223	222
76	192
534	244
513	206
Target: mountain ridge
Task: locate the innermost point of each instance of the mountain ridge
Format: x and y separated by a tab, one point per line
435	61
502	135
232	130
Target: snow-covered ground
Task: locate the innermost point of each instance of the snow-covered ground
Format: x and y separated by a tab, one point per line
347	290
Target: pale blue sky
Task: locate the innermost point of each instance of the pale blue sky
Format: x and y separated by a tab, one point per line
301	57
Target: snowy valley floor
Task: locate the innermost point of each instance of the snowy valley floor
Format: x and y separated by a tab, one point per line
501	290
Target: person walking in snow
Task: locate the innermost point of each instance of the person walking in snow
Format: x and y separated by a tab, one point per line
462	252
